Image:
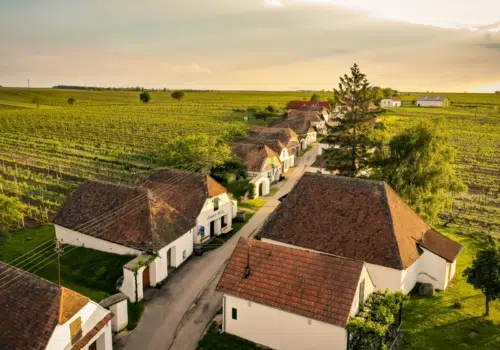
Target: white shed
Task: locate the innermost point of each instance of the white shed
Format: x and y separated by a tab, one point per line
433	101
391	102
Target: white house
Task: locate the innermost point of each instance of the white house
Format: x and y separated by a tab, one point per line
157	222
391	102
263	165
364	220
314	117
201	198
433	101
285	136
40	315
287	299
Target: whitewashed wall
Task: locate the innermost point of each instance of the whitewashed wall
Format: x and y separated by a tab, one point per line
181	249
261	179
208	214
120	318
369	288
430	103
90	314
433	269
278	329
129	284
78	239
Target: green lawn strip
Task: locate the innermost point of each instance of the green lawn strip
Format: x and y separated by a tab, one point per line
213	339
438	323
304	151
87	271
251	204
135	312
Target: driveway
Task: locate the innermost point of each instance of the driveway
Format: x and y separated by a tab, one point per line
180	311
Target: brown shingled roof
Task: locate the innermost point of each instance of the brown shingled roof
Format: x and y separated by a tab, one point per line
254	155
306	114
355	218
31	311
299	125
148	225
313	285
440	245
318	105
188	197
286	136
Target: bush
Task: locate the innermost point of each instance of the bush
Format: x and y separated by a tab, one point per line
251	191
145	97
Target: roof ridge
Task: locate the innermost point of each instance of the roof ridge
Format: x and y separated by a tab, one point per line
391	222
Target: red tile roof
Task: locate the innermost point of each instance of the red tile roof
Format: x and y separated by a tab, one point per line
355	218
85	340
308	105
313	285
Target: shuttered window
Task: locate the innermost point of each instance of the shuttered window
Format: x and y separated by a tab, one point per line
361	292
75	329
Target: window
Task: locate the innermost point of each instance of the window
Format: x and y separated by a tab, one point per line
216	204
184	254
234	313
75	329
361	292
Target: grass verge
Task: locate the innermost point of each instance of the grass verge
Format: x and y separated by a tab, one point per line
135	312
86	271
437	322
213	339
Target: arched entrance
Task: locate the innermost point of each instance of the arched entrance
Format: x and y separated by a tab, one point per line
261	189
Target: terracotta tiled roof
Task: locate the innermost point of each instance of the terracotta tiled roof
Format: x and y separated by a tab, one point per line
354	218
71	303
316	286
85	340
395	98
254	155
440	245
185	191
308	105
299	125
32	309
150	224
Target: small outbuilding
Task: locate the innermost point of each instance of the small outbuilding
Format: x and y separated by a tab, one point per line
433	101
391	102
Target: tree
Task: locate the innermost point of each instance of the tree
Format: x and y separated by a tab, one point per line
177	95
388	93
37	100
12	213
378	94
351	137
198	152
271	109
145	96
484	273
315	97
418	165
71	100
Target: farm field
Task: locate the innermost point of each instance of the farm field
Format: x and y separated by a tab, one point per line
46	152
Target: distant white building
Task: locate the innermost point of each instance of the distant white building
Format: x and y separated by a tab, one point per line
40	315
289	299
158	222
391	102
433	101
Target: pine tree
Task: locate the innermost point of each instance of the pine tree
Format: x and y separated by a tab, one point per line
351	136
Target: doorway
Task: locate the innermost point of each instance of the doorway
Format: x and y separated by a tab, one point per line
212	229
146	283
261	189
169	258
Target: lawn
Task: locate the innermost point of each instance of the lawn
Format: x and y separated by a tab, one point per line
213	339
89	272
434	323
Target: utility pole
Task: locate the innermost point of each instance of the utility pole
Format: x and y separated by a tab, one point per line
59	250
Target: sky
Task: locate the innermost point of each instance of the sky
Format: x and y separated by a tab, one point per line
425	45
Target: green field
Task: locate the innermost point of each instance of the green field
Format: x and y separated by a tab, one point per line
46	152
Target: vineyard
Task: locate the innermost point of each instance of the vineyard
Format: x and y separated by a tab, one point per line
47	150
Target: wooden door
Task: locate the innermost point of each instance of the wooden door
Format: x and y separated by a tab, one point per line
146	283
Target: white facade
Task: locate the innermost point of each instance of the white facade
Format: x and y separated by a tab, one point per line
120	318
212	221
170	256
67	236
432	103
90	315
428	268
262	185
287	159
389	102
280	329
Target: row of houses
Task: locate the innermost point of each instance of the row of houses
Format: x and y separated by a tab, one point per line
331	242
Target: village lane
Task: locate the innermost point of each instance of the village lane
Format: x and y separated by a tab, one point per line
178	313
